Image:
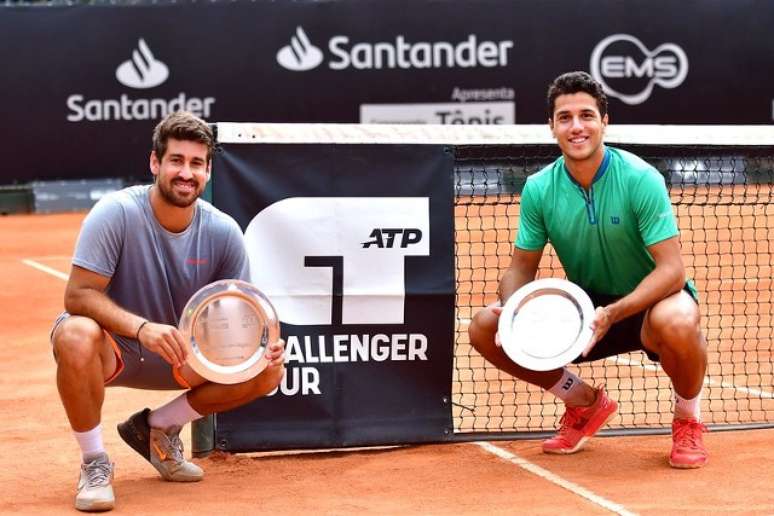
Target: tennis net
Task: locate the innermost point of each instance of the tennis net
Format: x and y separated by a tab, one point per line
720	182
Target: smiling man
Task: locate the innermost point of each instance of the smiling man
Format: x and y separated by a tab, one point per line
608	215
141	254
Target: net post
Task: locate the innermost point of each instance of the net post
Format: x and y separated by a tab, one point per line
203	436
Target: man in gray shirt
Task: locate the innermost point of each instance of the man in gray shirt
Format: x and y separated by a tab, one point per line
141	254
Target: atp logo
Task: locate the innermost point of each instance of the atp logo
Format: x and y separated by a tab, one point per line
385	237
143	70
300	55
308	256
627	70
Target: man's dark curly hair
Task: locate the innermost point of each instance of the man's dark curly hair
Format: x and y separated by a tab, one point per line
576	82
182	125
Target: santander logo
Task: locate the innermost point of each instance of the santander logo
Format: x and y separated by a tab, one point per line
143	70
300	55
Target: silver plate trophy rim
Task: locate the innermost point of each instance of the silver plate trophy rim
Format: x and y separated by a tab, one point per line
247	369
515	351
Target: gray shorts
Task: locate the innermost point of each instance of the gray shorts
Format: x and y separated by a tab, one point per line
152	372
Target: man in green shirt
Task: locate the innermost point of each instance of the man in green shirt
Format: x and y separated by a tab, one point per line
608	215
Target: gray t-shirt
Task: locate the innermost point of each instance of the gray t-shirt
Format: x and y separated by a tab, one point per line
153	271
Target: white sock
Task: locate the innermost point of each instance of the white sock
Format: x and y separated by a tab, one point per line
176	413
687	408
569	389
90	442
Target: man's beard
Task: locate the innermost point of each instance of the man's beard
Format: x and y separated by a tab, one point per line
168	193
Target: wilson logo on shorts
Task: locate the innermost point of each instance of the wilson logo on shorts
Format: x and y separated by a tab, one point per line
143	70
300	55
304	251
627	70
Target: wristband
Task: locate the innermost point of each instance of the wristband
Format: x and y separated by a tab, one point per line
137	335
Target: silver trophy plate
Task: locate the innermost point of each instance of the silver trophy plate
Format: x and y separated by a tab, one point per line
546	324
227	326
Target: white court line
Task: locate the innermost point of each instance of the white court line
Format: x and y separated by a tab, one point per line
707	381
46	269
555	479
50	257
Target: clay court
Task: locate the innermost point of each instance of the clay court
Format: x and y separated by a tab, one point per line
623	474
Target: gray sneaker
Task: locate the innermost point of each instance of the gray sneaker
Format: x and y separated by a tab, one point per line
95	492
162	449
166	455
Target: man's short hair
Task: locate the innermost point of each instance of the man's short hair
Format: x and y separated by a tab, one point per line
182	125
576	82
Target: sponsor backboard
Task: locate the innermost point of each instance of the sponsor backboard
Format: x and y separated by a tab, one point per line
117	69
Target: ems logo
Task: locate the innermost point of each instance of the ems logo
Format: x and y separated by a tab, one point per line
628	70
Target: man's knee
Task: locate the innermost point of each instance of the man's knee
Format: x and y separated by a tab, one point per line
675	326
77	341
482	328
274	378
268	380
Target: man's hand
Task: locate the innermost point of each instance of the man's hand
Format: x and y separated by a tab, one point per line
601	324
164	340
276	353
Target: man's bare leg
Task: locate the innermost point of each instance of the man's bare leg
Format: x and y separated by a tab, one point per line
85	359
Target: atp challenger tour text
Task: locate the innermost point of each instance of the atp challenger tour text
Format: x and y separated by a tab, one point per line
324	349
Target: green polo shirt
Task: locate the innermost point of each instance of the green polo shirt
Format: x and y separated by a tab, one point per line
600	235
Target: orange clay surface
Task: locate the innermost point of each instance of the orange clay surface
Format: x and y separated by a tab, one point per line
39	463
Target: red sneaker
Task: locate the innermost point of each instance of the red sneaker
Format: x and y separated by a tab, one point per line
688	449
580	423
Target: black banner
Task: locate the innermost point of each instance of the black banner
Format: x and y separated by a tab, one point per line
85	84
354	246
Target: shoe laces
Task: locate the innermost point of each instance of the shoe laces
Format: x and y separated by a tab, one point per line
97	472
687	433
173	445
570	418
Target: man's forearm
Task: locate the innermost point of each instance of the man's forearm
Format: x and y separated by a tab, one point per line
96	305
512	280
660	283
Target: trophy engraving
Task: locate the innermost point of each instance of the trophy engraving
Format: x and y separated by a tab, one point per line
227	326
